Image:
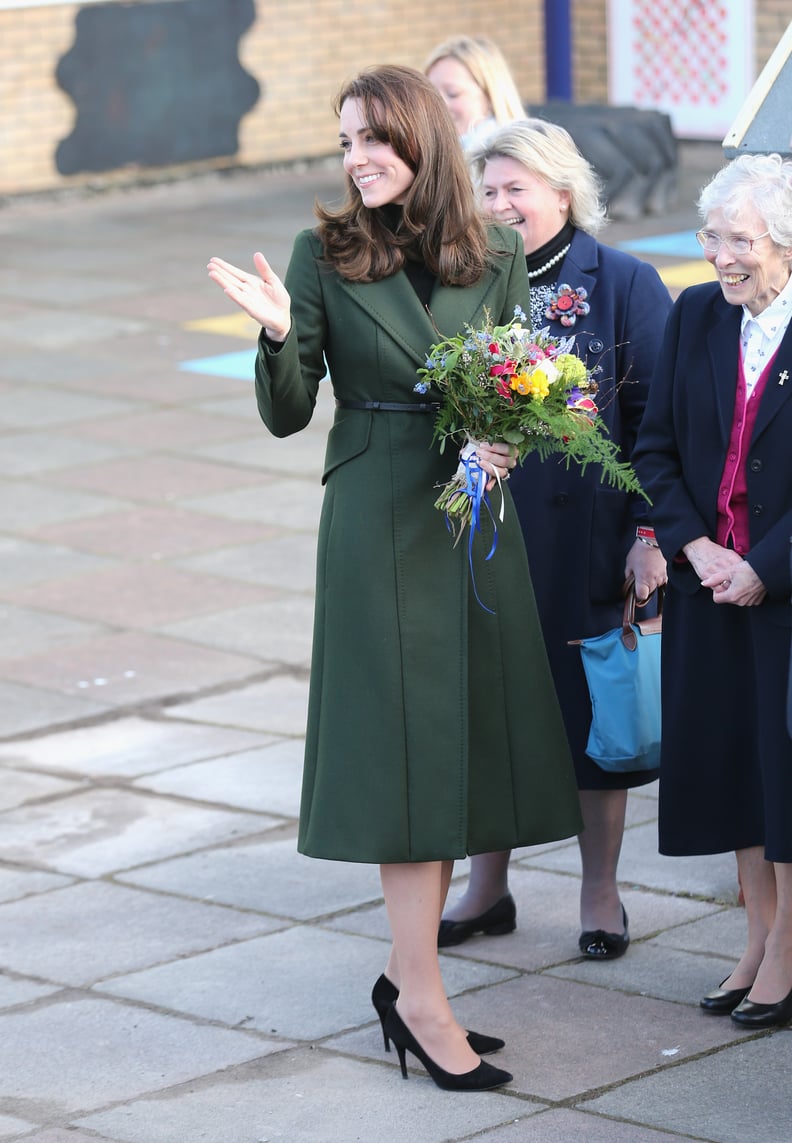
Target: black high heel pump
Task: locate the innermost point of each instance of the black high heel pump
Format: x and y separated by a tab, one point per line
482	1078
384	993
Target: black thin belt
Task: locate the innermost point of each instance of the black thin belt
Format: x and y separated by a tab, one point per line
390	406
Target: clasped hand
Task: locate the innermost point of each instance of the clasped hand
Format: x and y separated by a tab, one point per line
730	578
497	459
262	296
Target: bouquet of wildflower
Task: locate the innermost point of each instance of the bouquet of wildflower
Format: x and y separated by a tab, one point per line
506	383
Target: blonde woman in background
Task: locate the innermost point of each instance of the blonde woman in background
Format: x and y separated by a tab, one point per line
474	79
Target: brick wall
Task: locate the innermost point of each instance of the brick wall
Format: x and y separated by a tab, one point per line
299	51
589	50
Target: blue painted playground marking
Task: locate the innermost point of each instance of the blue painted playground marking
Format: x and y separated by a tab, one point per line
682	244
238	366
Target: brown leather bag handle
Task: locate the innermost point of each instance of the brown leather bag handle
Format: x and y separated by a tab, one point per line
646	626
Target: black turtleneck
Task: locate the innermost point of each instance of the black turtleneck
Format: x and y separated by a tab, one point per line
538	258
418	274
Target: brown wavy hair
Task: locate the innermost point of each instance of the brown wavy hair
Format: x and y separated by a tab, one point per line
441	224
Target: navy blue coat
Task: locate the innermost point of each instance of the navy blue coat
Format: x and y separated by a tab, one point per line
578	530
686	433
726	758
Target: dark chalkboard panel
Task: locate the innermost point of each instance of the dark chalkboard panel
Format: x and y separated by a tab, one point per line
155	84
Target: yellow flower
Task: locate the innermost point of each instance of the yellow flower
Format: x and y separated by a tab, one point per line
534	384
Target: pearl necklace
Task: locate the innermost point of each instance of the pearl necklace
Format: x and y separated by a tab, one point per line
543	269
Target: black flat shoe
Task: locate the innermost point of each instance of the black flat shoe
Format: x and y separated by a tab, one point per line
599	945
752	1015
500	919
482	1078
384	993
723	1000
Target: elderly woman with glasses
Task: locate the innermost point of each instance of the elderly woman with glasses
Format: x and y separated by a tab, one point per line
714	453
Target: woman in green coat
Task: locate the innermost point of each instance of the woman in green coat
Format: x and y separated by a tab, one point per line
433	726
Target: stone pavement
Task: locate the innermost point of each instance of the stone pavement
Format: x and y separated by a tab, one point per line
171	970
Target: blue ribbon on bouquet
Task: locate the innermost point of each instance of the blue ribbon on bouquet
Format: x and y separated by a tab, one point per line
476	489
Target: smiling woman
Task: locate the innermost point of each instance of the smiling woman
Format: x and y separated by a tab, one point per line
422	745
713	453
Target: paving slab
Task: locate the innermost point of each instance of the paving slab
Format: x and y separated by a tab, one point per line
28	454
105	830
161	478
284	561
267	779
85	933
565	1126
16	883
125	1052
279	630
548	923
564	1039
124	669
26	561
56	1135
668	974
286	501
140	595
266	875
39	631
299	983
18	787
718	934
277	706
128	747
712	876
14	991
25	507
154	533
12	1128
733	1096
29	709
42	406
278	1101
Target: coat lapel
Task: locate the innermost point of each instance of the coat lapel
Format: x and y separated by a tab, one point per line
394	305
723	342
581	263
778	387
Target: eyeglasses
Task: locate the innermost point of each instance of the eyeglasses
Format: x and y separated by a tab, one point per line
737	243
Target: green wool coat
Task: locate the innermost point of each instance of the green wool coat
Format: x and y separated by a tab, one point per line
433	726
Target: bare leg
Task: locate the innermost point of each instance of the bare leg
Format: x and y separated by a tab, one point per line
488	882
774	978
392	969
600	845
414	895
757	878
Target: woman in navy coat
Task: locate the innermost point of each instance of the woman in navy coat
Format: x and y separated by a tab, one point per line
715	454
580	534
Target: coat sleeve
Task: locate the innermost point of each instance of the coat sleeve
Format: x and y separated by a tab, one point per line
288	376
647	307
657	458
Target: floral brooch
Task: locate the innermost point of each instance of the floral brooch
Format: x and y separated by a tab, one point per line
567	305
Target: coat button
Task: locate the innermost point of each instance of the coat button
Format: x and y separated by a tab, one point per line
756	466
595	345
758	509
560	498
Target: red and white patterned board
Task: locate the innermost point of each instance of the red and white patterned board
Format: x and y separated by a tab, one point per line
692	60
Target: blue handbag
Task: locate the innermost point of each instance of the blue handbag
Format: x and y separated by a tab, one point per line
623	674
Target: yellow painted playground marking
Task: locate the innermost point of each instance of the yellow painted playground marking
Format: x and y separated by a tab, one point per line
230	325
686	274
